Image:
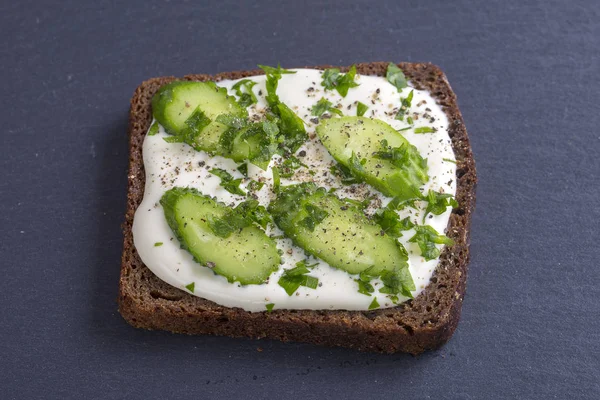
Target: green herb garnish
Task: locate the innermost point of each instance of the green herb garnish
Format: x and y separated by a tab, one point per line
293	278
269	307
425	129
374	304
255	186
356	166
449	160
333	79
315	216
303	264
227	181
397	156
344	173
191	286
247	97
253	212
361	109
406	103
245	214
399	203
360	204
287	168
271	129
396	281
395	76
364	284
325	106
273	76
233	120
426	238
437	203
197	121
243	168
158	244
291	127
390	222
276	179
153	129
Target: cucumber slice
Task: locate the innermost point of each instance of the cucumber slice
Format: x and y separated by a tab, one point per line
248	255
342	235
362	137
189	109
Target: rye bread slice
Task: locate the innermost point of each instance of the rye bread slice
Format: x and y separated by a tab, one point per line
425	322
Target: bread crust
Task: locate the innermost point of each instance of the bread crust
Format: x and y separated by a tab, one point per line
426	322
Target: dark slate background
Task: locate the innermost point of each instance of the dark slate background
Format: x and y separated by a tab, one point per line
527	78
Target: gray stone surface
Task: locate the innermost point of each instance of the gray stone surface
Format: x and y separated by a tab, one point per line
527	78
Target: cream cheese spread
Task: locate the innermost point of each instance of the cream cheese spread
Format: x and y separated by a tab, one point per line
169	165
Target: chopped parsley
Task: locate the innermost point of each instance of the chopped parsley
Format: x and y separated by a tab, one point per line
291	127
227	181
194	125
158	244
364	284
391	223
425	129
247	97
153	129
395	281
406	103
253	212
269	307
356	166
191	286
255	186
245	214
315	216
233	120
437	203
400	203
243	168
395	76
303	264
197	121
333	79
426	238
360	204
273	76
292	279
270	128
374	304
397	156
361	109
344	173
449	160
276	179
287	168
324	106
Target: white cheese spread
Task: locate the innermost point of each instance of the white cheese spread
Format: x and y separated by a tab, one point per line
169	165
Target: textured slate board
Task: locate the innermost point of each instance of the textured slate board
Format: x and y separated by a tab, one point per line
526	76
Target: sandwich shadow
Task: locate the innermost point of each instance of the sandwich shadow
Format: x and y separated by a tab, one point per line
107	213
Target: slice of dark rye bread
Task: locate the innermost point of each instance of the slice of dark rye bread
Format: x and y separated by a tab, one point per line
425	322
